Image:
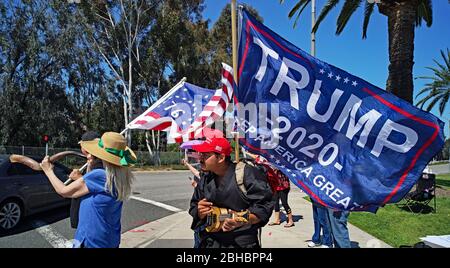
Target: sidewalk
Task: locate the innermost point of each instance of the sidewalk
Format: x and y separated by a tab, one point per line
174	231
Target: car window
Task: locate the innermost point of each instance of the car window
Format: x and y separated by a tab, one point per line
20	169
61	172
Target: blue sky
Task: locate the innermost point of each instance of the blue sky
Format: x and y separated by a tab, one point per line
366	58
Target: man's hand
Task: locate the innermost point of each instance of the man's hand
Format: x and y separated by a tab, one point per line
203	208
46	165
75	175
231	224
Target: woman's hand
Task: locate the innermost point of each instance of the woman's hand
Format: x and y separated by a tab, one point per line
75	175
46	165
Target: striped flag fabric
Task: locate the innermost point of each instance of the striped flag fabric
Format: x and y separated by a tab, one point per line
186	109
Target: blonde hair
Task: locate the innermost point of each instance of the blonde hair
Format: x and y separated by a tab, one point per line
118	181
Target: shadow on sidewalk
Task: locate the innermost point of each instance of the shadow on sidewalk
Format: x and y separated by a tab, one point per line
296	218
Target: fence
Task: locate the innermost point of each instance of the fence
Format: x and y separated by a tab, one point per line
144	158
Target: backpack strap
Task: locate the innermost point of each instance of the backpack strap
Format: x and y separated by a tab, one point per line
239	171
240	176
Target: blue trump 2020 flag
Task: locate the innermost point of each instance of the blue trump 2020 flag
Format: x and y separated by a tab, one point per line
347	143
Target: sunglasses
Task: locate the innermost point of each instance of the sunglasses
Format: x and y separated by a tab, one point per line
205	156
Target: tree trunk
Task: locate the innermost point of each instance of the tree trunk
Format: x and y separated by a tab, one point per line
401	25
125	109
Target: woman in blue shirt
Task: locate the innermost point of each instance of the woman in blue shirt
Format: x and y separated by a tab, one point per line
102	191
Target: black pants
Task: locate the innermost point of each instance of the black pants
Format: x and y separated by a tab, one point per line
74	210
283	195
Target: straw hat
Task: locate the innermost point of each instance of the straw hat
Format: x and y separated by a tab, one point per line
112	148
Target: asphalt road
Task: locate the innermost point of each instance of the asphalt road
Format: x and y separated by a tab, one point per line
155	195
440	169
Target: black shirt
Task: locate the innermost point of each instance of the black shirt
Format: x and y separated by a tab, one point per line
226	194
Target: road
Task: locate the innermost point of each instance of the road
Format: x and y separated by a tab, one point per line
155	195
440	169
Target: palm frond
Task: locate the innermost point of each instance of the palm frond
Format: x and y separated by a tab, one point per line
438	90
446	59
298	8
422	102
426	77
423	90
434	101
347	11
424	12
440	65
368	11
324	12
298	15
443	102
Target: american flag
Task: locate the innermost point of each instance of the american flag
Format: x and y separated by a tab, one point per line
186	109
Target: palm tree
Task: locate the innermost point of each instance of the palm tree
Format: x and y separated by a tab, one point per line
439	88
402	16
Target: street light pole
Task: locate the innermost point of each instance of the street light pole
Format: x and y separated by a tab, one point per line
313	22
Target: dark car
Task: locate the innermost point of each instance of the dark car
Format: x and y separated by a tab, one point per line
24	191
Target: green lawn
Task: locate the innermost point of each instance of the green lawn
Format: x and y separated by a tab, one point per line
443	181
399	227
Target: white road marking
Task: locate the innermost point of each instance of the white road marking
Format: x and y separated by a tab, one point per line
53	237
156	203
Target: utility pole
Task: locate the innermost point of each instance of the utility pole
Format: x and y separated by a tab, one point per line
235	67
313	22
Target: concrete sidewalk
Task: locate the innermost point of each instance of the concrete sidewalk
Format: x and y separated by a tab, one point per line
174	231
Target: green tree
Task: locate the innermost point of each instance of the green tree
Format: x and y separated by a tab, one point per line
220	41
446	150
402	15
36	50
438	90
116	30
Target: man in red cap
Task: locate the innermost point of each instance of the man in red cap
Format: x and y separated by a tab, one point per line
218	187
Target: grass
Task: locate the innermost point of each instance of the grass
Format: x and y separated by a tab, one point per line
443	180
442	162
398	227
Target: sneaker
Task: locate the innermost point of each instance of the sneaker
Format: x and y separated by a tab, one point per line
311	244
324	246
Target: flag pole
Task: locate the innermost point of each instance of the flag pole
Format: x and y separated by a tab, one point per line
313	22
234	56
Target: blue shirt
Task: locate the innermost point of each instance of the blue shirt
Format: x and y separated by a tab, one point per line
100	212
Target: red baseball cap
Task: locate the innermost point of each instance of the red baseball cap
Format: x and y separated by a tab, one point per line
217	145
